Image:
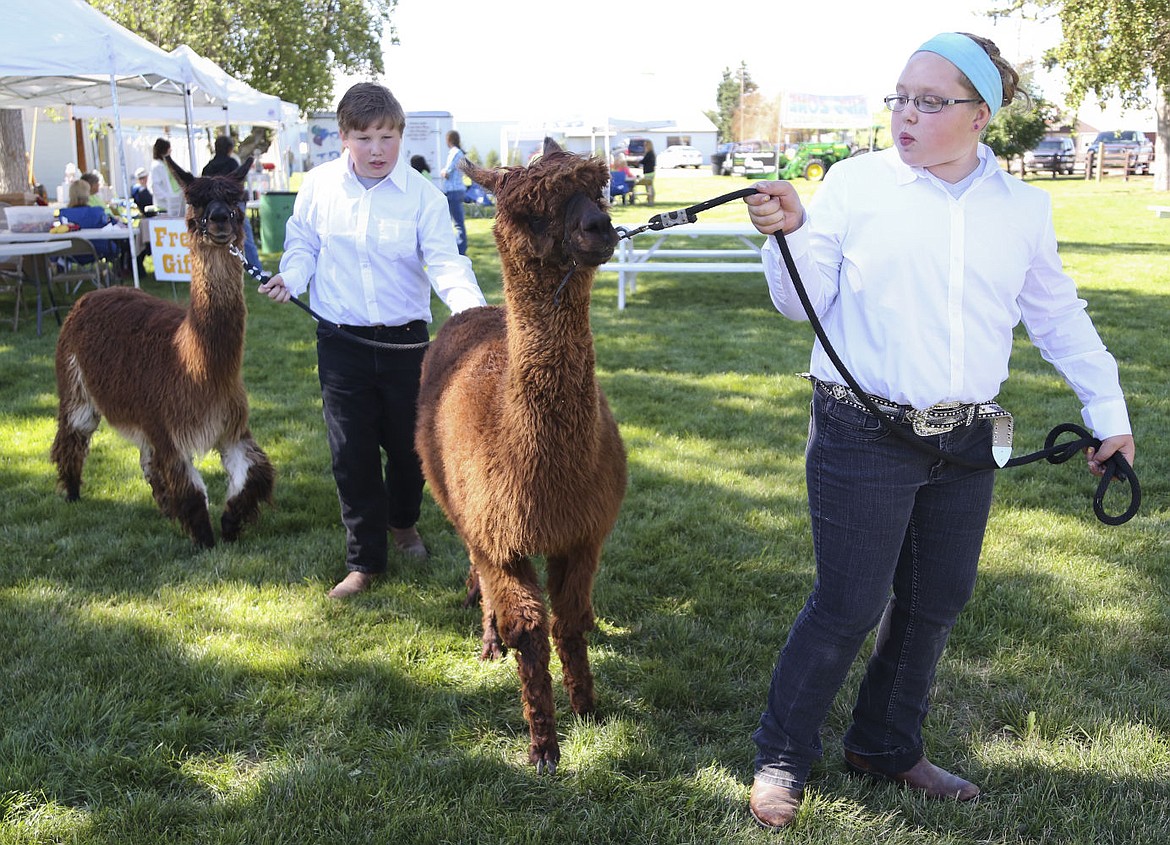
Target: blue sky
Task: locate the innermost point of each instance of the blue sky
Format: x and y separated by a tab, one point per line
507	59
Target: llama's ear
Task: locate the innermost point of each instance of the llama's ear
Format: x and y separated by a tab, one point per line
551	146
478	175
241	172
182	175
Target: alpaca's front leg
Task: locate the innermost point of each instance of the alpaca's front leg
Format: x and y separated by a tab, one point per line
183	489
250	482
515	595
493	646
161	495
570	589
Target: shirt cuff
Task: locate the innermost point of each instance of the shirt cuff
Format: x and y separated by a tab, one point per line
798	242
1107	418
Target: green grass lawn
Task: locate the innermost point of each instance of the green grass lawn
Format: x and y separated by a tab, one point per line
153	693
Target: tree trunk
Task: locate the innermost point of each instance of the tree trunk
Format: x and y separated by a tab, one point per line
13	157
1162	144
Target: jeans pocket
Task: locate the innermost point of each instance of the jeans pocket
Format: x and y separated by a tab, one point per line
847	420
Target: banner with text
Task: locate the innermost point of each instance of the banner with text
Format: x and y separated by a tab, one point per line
821	111
170	247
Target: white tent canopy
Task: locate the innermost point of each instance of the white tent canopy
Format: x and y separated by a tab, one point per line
234	100
241	102
66	53
237	103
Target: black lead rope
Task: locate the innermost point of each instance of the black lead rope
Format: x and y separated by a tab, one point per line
259	275
1116	466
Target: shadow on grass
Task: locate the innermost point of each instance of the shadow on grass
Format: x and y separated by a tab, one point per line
373	721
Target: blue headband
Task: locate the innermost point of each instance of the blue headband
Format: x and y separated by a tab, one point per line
973	61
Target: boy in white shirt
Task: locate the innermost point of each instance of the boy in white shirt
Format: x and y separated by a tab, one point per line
372	236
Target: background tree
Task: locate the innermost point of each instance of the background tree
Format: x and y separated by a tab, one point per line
759	117
290	50
733	91
1113	48
14	162
1021	126
1013	132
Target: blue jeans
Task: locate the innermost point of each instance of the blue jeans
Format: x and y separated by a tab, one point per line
369	397
897	537
455	205
250	251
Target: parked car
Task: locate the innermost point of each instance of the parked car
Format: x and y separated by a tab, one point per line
680	155
745	158
1129	139
1055	155
722	154
635	150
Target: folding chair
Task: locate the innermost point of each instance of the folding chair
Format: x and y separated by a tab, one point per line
478	202
10	277
77	264
12	281
619	186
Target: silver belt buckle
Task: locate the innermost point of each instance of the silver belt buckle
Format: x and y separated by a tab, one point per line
940	419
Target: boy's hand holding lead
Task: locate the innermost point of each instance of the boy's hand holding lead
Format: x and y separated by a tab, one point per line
275	290
775	207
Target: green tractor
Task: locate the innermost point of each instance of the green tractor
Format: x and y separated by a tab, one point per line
812	160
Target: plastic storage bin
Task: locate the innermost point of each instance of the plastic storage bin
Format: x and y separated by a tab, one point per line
29	218
275	209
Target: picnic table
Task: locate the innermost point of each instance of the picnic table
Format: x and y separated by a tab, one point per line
628	262
27	247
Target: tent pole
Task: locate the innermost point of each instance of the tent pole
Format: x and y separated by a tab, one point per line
188	112
126	201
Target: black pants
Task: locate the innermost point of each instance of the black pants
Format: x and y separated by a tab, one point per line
370	397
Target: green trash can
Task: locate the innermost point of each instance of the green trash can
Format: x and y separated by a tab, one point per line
275	209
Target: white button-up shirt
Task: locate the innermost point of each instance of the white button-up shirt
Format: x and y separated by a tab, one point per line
372	254
919	291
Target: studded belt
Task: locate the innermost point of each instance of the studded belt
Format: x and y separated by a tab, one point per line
937	419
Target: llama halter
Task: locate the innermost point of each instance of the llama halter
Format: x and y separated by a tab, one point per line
1116	466
259	275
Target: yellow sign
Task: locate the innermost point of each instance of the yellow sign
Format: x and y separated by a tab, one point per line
170	246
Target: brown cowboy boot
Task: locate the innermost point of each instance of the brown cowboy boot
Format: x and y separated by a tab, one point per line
774	807
351	585
923	776
408	541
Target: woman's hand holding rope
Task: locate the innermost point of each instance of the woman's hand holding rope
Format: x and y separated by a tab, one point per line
1121	444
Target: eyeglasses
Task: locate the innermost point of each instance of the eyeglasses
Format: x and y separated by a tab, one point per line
926	103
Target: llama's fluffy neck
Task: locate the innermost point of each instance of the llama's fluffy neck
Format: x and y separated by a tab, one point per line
551	385
211	337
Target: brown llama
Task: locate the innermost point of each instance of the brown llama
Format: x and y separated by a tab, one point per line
516	439
168	377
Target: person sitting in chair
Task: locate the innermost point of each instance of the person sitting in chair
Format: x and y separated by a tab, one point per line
140	191
86	216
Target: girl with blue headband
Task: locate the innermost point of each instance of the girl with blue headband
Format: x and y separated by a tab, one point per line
919	261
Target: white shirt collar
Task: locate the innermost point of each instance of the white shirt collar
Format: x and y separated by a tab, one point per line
397	176
905	174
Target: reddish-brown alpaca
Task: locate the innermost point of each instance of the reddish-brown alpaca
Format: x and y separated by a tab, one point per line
168	377
516	439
